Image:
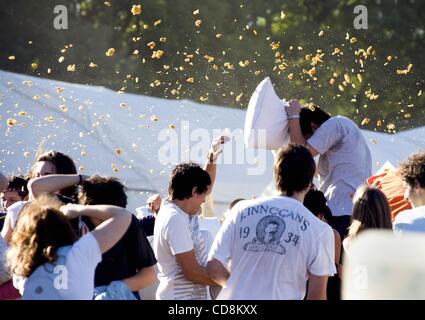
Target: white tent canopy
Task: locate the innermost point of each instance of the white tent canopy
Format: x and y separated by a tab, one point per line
97	121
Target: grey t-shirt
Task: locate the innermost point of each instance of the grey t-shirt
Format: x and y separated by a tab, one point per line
345	162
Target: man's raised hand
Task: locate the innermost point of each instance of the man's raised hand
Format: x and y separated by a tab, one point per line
293	109
215	148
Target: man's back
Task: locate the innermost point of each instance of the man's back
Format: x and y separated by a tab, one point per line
272	244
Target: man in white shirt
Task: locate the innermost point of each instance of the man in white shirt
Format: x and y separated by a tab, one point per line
268	248
412	172
178	244
345	161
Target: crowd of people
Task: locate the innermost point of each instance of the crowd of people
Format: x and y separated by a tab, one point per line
69	236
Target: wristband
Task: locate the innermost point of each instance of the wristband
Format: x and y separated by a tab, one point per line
211	157
293	117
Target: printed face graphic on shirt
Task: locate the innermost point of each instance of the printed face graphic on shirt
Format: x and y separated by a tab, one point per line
269	231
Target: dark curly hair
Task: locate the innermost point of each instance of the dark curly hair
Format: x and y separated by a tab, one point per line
294	169
412	170
18	184
103	190
184	178
309	114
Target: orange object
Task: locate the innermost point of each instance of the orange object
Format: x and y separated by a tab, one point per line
391	184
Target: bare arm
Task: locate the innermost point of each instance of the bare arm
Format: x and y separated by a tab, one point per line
142	279
217	272
52	183
337	247
116	221
295	134
192	271
317	287
210	164
211	168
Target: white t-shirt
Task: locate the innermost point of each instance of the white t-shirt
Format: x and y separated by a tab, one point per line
345	162
177	232
410	220
14	210
212	224
272	244
75	277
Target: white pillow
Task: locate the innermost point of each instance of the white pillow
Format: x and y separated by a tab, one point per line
266	123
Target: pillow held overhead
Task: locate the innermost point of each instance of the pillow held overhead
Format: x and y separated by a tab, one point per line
266	123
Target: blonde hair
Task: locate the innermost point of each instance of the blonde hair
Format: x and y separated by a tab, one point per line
370	211
41	229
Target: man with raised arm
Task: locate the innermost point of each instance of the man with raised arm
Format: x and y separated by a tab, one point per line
178	244
345	161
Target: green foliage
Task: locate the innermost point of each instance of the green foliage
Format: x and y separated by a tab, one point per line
239	36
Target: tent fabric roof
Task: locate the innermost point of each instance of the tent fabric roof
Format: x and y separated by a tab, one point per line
98	120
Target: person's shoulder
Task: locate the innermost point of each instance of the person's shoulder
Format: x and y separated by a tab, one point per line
278	198
243	204
401	216
337	236
169	214
344	121
410	214
167	209
87	240
281	201
288	203
325	230
263	201
14	210
315	223
17	207
346	245
134	222
133	228
332	123
340	118
86	249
